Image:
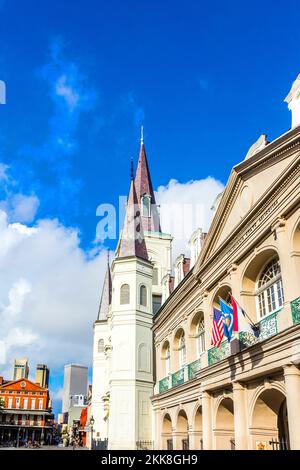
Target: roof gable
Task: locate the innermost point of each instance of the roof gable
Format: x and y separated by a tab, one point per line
22	384
249	182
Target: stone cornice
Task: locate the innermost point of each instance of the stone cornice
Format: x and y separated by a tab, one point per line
279	149
258	214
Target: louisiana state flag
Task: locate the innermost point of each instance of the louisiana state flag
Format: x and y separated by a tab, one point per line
227	312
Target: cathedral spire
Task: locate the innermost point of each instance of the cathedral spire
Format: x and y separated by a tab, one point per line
106	294
144	189
132	241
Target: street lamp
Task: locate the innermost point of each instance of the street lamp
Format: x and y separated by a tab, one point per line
92	422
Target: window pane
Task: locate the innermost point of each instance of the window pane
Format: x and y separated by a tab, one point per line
101	346
156	303
280	293
124	294
261	302
143	296
146	204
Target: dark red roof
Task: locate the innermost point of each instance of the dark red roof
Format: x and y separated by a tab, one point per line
143	186
106	295
132	241
186	266
171	284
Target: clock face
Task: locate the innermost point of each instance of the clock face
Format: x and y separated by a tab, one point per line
23	384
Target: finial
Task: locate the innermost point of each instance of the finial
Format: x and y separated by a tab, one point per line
142	134
131	169
108	256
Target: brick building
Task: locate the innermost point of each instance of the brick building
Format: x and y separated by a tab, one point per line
25	413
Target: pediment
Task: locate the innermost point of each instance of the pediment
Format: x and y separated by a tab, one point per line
248	183
22	384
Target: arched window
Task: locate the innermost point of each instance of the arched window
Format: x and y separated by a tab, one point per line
269	289
166	355
143	296
101	346
146	206
182	350
168	360
124	294
200	336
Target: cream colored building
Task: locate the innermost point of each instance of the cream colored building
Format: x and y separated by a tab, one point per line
245	394
157	381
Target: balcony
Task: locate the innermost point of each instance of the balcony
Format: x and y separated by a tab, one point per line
164	384
193	368
217	354
178	378
183	375
295	309
267	326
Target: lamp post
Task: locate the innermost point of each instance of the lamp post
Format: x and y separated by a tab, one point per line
91	423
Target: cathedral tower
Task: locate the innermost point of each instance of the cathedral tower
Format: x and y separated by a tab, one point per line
101	357
123	368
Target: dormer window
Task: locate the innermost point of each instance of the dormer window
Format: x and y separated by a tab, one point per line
146	205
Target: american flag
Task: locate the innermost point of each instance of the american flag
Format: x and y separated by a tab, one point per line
217	329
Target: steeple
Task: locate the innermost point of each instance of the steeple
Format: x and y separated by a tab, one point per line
132	241
106	294
143	184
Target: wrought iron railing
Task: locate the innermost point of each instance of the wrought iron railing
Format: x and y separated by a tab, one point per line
193	368
164	384
178	378
217	354
295	308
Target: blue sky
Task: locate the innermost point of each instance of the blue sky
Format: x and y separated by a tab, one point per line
205	79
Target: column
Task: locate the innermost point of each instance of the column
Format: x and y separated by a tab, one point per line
207	420
289	281
240	416
292	387
208	327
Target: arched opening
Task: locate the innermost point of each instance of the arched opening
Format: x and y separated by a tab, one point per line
269	428
197	433
197	332
167	440
101	345
182	426
224	292
166	359
250	283
125	294
269	290
180	349
146	205
143	296
224	430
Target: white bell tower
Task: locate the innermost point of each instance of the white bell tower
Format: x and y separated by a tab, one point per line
131	377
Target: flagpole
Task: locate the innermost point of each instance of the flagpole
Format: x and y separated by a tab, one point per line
253	324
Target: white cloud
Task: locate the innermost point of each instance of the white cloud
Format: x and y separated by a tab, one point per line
16	297
185	207
23	208
70	95
49	294
3	171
